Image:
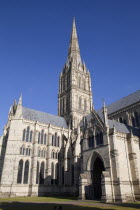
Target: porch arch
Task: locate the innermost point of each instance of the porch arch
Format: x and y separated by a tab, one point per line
95	167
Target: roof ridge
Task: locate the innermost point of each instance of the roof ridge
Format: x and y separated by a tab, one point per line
123	102
124	97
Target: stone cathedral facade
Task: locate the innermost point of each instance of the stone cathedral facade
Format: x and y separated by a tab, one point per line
83	152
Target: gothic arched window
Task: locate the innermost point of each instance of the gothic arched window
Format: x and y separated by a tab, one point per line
29	151
55	143
23	151
27	133
63	83
37	172
84	84
42	136
31	135
80	103
45	138
85	105
99	138
26	151
66	85
44	153
42	171
26	172
91	140
53	140
24	134
61	86
39	138
68	80
58	141
63	105
20	168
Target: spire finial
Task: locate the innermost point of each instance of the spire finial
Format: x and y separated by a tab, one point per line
73	20
74	50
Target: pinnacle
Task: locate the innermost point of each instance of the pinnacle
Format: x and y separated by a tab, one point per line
20	100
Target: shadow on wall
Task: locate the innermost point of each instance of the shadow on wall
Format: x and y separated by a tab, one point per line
2	156
59	180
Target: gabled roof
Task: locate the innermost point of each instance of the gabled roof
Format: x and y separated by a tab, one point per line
122	103
42	117
120	127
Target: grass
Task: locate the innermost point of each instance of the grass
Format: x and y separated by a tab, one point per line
48	203
37	199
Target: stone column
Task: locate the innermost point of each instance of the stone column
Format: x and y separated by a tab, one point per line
106	187
48	168
33	166
134	166
82	184
115	167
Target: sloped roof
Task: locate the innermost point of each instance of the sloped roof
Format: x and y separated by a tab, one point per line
122	128
124	102
42	117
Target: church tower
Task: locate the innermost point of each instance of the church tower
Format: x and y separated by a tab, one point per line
75	94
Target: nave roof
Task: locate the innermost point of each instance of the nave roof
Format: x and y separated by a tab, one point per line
122	103
43	117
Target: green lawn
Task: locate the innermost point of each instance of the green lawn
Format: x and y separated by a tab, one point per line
47	203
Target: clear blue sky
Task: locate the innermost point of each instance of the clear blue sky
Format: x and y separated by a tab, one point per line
34	39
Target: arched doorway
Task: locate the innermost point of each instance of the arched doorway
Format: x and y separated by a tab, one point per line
98	167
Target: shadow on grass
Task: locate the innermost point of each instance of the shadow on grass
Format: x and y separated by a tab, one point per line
130	205
46	206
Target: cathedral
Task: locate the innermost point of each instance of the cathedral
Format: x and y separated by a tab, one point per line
87	153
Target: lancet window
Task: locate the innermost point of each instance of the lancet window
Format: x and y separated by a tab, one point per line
42	137
55	140
25	150
20	172
41	152
40	173
99	138
27	135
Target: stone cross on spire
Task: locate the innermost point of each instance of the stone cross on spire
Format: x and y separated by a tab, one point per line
74	50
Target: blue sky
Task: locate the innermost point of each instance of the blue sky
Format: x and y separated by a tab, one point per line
34	39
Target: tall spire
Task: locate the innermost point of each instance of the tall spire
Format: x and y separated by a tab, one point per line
74	50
